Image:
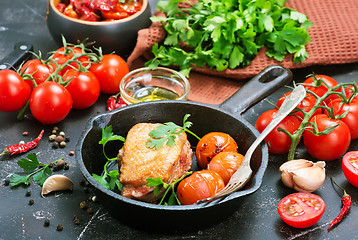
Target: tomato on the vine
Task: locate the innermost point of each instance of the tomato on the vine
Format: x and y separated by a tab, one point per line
226	164
68	55
200	185
50	102
316	85
301	210
349	108
350	167
329	146
14	91
110	72
84	88
38	70
305	105
211	144
278	141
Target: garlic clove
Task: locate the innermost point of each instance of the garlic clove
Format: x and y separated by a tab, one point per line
303	175
56	182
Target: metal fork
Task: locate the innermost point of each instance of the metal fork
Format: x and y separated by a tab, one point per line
243	174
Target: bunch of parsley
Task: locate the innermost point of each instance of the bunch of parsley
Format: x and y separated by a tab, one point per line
225	34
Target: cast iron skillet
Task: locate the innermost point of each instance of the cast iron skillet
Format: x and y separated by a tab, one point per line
206	118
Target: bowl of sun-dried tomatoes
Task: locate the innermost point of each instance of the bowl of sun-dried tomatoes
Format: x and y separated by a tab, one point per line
110	24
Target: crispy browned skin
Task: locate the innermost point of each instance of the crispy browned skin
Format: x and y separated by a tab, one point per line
138	163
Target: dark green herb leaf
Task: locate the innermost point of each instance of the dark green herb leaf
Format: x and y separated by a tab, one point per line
17	180
30	163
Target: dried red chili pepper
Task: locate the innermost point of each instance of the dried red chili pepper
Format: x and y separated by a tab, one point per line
346	205
103	5
21	148
115	102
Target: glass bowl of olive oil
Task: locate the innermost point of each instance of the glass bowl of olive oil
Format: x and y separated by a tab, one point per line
146	84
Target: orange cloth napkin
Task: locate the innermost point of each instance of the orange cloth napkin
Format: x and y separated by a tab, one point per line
334	40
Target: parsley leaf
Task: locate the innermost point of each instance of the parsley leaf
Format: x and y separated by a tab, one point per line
225	34
109	179
30	165
162	186
167	132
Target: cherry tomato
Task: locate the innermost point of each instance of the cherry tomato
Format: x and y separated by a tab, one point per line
38	70
278	142
110	72
301	210
212	144
351	119
69	55
14	92
305	105
84	88
200	185
314	83
350	167
50	102
225	163
330	146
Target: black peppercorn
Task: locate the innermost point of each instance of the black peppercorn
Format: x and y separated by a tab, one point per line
47	223
83	205
90	210
55	145
66	167
6	182
59	227
31	202
28	193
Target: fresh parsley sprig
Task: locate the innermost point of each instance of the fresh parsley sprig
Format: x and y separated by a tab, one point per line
225	34
39	172
109	179
159	184
167	133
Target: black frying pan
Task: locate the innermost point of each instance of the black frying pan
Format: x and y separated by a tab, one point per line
206	118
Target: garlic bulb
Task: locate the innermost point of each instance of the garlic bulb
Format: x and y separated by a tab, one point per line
56	183
303	175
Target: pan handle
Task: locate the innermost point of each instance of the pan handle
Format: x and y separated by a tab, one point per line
262	85
20	53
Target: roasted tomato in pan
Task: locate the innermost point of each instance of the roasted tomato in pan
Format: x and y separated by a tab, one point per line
200	185
301	210
350	167
212	144
226	163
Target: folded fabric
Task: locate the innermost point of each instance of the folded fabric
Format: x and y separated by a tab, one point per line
334	40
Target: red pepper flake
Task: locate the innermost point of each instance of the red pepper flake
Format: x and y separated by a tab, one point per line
346	205
21	148
115	102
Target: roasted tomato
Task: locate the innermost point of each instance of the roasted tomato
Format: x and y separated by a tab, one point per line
226	163
350	167
301	210
212	144
200	185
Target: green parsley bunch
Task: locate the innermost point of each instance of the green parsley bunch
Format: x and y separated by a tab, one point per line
225	34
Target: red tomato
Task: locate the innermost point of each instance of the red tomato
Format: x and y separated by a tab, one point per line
115	14
330	146
110	72
350	167
200	185
305	105
278	142
38	70
301	210
315	85
69	55
226	163
212	144
351	119
14	92
50	102
84	88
